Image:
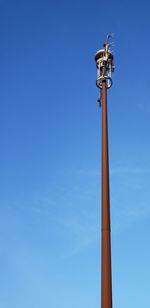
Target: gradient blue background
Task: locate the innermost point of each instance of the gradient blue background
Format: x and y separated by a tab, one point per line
50	141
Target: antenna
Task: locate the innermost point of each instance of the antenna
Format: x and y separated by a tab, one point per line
105	65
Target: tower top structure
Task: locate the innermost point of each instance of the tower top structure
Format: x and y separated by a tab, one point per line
105	64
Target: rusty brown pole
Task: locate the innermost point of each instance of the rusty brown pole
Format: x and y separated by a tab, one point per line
106	280
105	66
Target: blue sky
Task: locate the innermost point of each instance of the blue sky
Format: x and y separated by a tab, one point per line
50	141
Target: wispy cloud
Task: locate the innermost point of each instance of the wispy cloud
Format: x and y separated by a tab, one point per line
129	170
83	234
73	211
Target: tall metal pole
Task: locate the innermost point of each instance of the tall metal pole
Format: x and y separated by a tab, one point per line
106	281
104	63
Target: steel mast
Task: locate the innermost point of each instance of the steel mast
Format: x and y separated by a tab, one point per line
105	66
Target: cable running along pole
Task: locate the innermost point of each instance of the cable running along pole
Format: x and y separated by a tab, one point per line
105	66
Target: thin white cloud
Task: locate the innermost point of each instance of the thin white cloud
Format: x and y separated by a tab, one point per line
75	209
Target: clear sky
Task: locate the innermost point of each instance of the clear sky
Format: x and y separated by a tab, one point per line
50	142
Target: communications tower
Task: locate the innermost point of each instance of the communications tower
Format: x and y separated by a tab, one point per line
105	66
